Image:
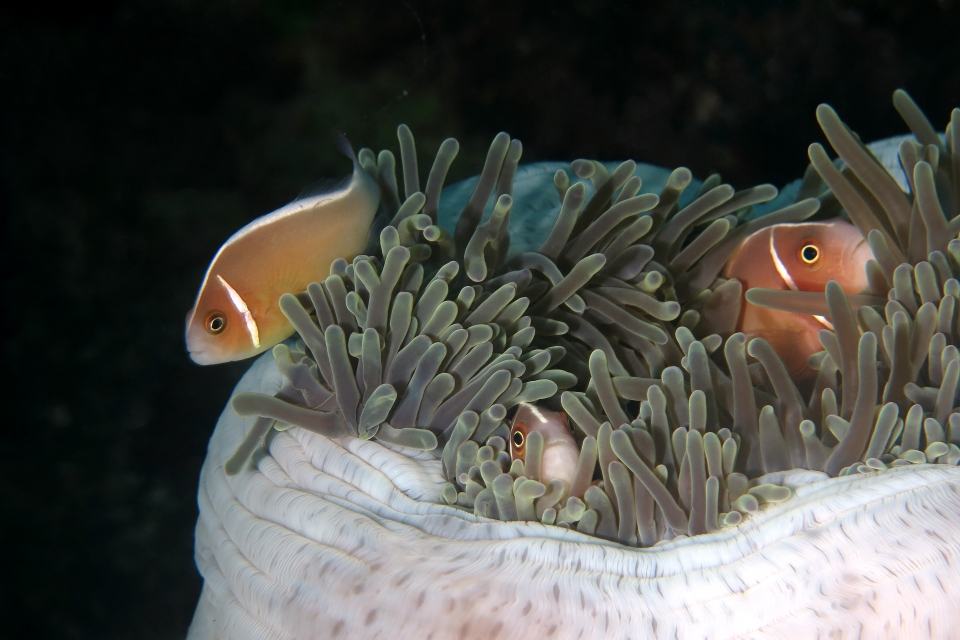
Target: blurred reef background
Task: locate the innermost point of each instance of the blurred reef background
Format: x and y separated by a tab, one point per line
138	135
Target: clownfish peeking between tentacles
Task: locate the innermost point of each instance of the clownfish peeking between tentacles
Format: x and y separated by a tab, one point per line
798	257
560	450
237	313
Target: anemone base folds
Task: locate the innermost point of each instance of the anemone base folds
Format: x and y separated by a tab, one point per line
344	538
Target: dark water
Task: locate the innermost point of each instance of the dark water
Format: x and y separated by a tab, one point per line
136	136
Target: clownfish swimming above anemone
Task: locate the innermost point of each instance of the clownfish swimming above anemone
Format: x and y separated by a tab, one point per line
237	313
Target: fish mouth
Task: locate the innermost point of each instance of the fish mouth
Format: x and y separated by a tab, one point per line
201	357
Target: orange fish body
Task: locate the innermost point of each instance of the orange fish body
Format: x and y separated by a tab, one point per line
237	313
798	257
560	450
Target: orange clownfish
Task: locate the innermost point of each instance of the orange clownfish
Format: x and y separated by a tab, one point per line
798	257
237	313
560	450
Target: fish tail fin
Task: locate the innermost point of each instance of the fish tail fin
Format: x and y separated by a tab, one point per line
343	145
380	220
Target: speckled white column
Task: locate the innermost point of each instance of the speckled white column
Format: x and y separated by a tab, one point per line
344	539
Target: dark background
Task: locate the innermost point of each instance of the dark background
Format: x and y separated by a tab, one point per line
137	136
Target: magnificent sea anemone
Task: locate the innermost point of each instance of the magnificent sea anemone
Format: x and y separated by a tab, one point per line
361	485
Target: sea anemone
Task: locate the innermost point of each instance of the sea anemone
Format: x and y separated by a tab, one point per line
361	485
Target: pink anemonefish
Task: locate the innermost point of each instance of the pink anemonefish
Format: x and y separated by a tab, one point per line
560	450
237	313
799	257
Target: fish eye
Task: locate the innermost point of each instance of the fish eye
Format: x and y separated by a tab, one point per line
809	253
517	439
216	322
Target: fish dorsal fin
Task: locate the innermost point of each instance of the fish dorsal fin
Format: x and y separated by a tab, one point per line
323	187
343	145
329	185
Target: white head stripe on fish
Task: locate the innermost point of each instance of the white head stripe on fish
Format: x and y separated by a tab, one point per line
243	310
824	322
536	412
787	279
778	263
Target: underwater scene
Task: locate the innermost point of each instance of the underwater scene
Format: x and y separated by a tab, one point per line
482	320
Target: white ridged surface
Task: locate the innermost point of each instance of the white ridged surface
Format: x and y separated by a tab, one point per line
324	540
